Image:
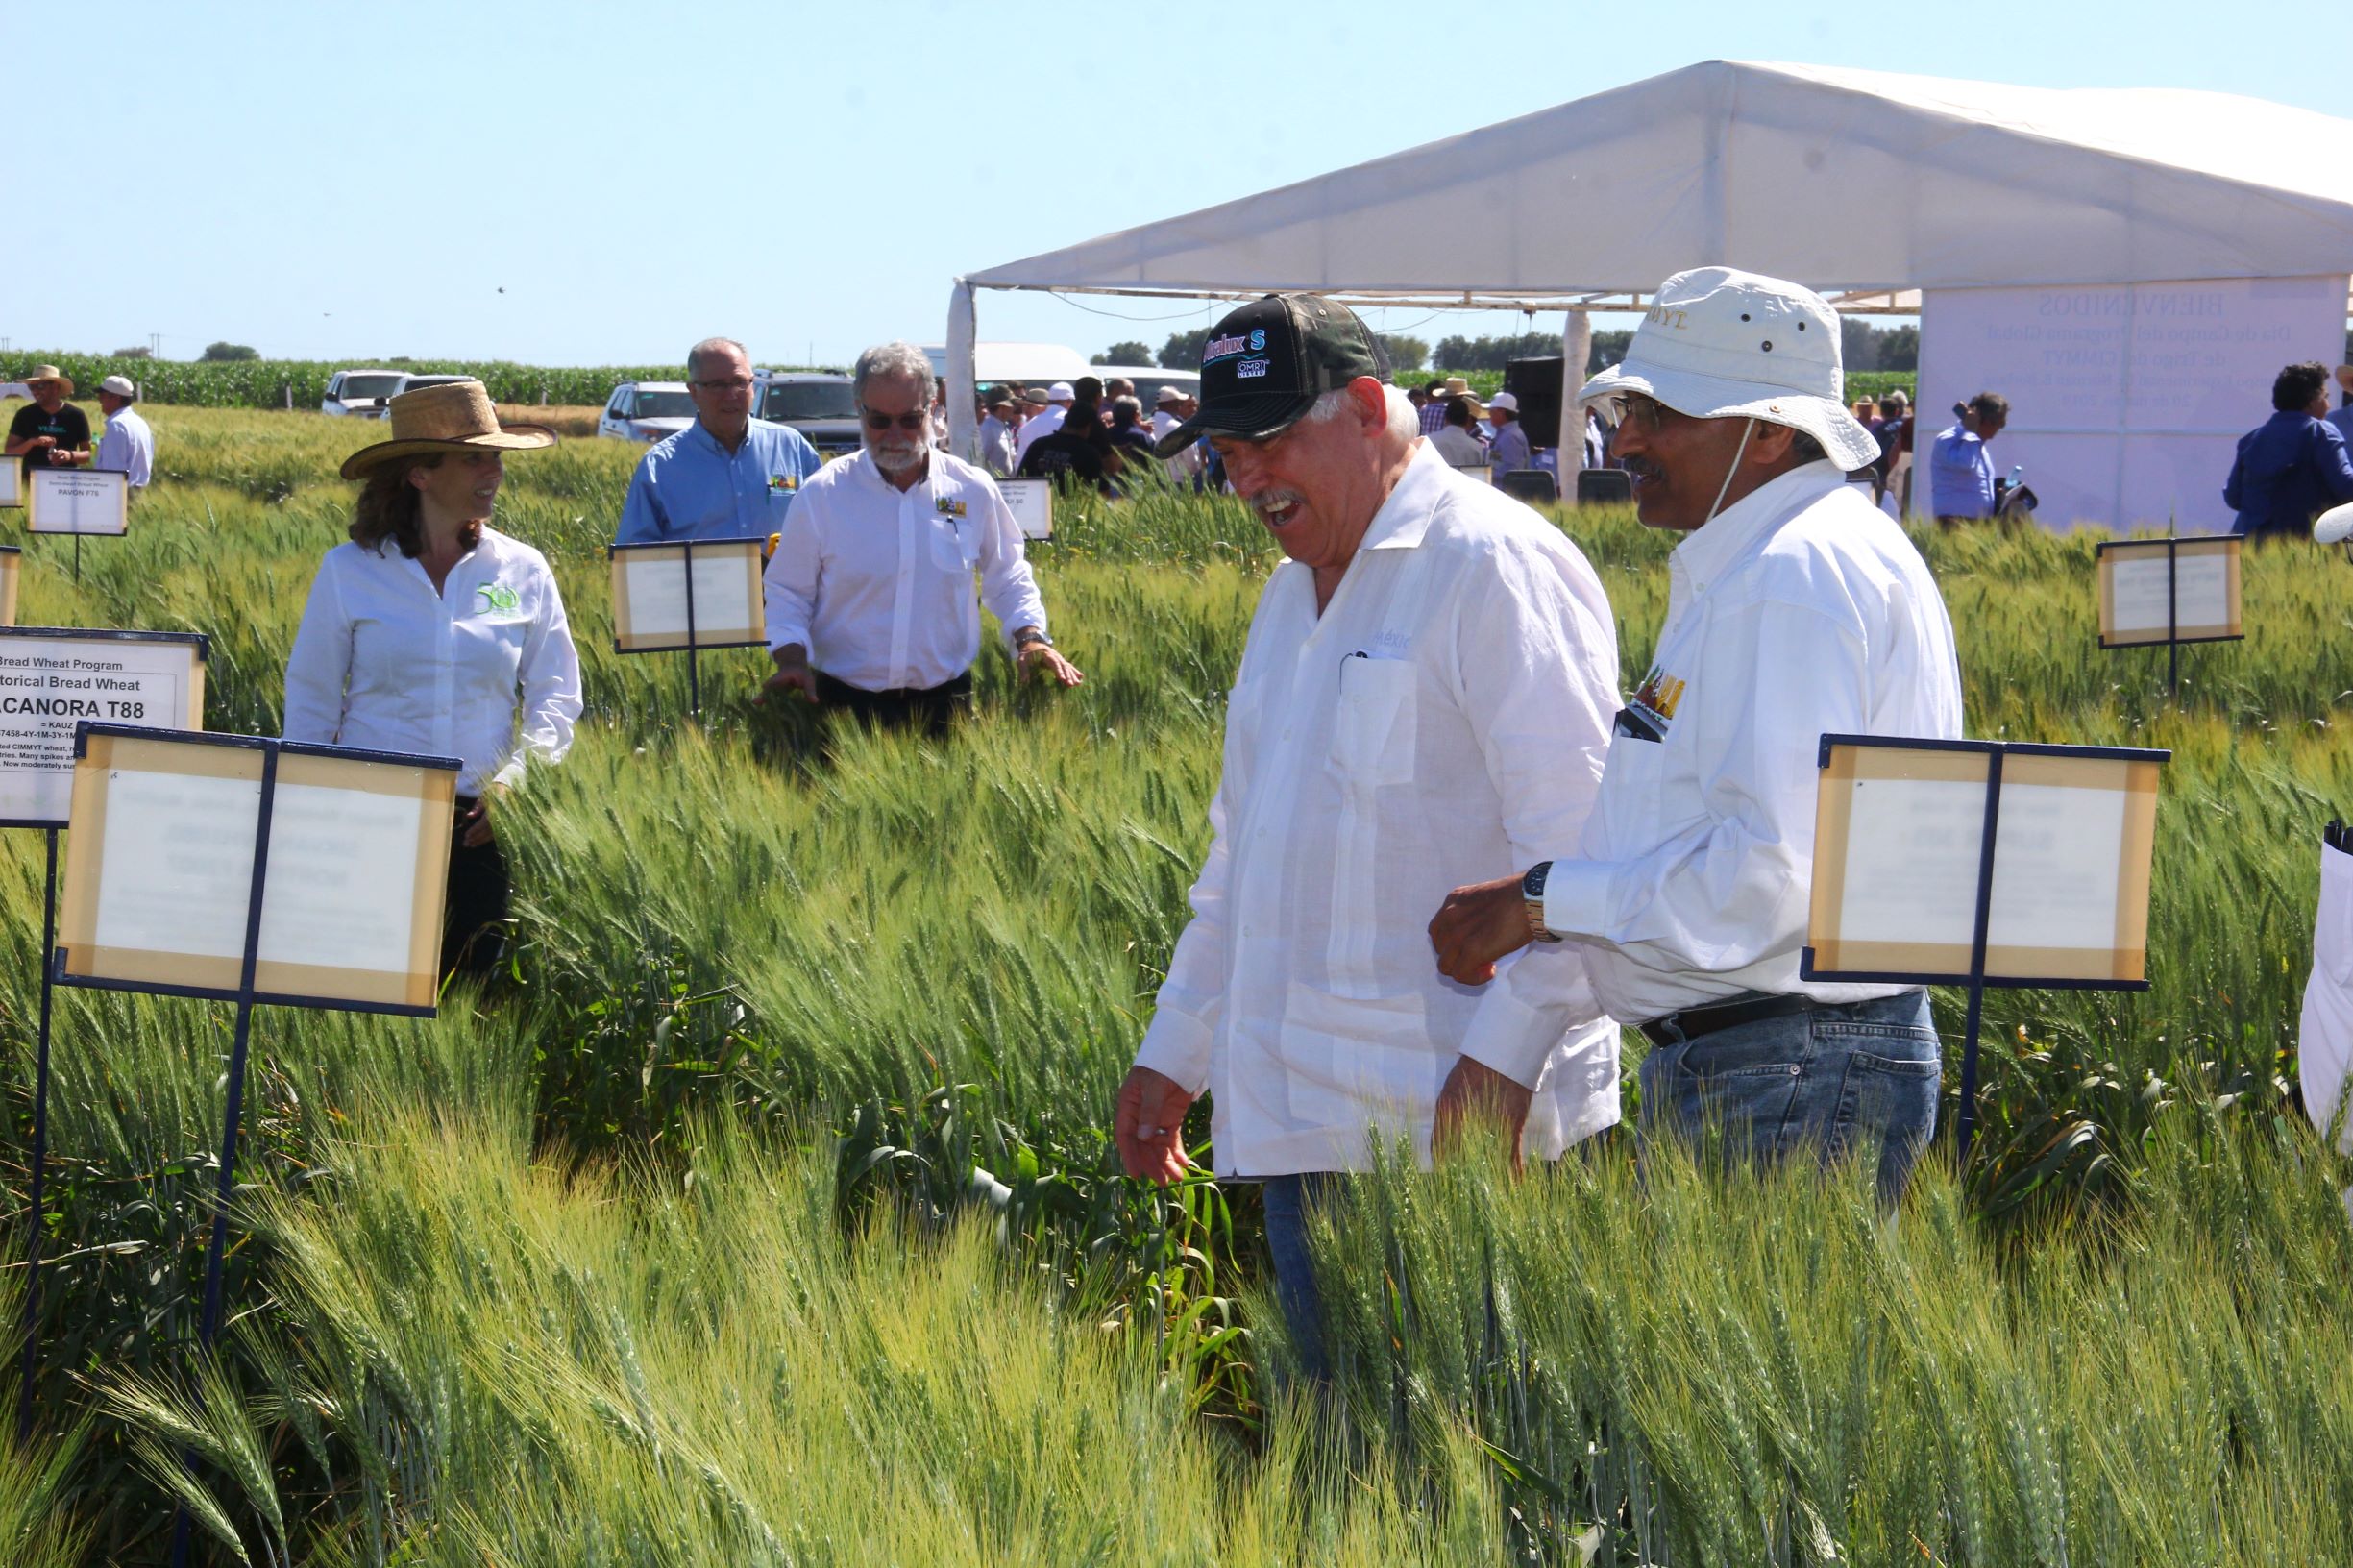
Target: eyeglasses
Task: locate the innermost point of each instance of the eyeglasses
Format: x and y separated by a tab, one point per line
919	420
1648	413
741	384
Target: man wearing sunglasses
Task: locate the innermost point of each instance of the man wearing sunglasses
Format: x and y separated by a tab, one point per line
727	475
870	607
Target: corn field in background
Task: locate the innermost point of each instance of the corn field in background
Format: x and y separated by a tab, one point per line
269	383
765	1213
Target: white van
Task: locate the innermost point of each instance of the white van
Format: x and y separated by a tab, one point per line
647	410
360	393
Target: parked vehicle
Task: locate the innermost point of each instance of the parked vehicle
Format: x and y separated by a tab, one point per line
1149	379
410	384
818	404
360	393
647	410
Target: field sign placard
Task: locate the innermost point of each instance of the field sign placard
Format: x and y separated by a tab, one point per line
78	501
2168	591
1898	844
705	593
1981	864
159	893
1032	505
11	567
53	678
12	484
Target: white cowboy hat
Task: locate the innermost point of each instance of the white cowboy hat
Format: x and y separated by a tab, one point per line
1723	344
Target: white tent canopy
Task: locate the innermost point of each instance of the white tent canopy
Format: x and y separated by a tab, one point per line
1853	182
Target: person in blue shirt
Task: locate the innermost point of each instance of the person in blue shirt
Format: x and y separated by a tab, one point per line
2342	418
2293	466
1960	473
727	475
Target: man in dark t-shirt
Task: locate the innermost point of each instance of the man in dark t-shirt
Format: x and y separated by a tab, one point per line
49	432
1064	459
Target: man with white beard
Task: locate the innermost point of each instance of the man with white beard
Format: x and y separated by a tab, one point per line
870	607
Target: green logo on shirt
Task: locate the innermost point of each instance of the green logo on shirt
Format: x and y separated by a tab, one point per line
499	599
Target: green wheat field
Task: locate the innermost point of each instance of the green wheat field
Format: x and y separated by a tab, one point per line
765	1213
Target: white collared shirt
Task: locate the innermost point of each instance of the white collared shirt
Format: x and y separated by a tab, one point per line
1443	722
877	583
483	671
1801	610
1186	464
1046	421
128	446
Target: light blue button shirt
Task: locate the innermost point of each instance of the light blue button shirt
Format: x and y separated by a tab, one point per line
690	487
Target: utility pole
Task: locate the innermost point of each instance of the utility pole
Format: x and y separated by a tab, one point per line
155	345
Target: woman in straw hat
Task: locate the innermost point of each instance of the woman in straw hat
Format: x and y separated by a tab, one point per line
431	632
49	432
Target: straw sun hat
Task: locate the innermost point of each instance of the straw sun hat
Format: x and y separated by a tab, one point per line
446	418
48	372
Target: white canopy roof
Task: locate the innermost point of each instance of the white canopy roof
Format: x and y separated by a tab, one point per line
1845	180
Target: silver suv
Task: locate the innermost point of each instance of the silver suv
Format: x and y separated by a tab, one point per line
818	404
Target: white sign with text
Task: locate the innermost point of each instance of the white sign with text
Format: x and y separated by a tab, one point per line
2127	401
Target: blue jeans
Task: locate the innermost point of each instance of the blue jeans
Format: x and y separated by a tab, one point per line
1289	1202
1859	1080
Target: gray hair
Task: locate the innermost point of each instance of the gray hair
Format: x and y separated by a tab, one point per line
892	363
1404	420
709	346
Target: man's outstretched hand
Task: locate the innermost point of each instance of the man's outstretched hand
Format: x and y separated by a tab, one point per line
1149	1126
1475	1091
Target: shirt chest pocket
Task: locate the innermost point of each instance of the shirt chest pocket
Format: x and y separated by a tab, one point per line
1632	804
1373	723
955	544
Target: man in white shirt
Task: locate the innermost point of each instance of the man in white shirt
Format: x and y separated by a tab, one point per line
997	434
1172	408
1794	609
128	446
1046	421
1425	693
870	607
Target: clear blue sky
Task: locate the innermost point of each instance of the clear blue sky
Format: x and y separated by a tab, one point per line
350	182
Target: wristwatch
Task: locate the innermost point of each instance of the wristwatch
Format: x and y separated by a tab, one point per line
1031	637
1531	890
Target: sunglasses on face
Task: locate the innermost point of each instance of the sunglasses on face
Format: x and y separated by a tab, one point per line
917	420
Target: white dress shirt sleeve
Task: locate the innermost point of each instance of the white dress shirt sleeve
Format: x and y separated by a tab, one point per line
1732	891
789	584
1006	586
114	449
1538	677
549	674
320	664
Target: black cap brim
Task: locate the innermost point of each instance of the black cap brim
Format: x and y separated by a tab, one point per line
1252	419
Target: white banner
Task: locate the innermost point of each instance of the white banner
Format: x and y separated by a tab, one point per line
2127	401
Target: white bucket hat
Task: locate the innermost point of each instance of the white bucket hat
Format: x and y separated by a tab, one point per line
1723	344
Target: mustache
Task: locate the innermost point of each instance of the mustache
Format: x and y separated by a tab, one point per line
1642	466
1272	501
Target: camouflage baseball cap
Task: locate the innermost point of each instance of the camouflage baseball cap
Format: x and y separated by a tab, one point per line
1266	363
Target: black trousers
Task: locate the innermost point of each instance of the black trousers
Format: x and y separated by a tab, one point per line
473	928
928	708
